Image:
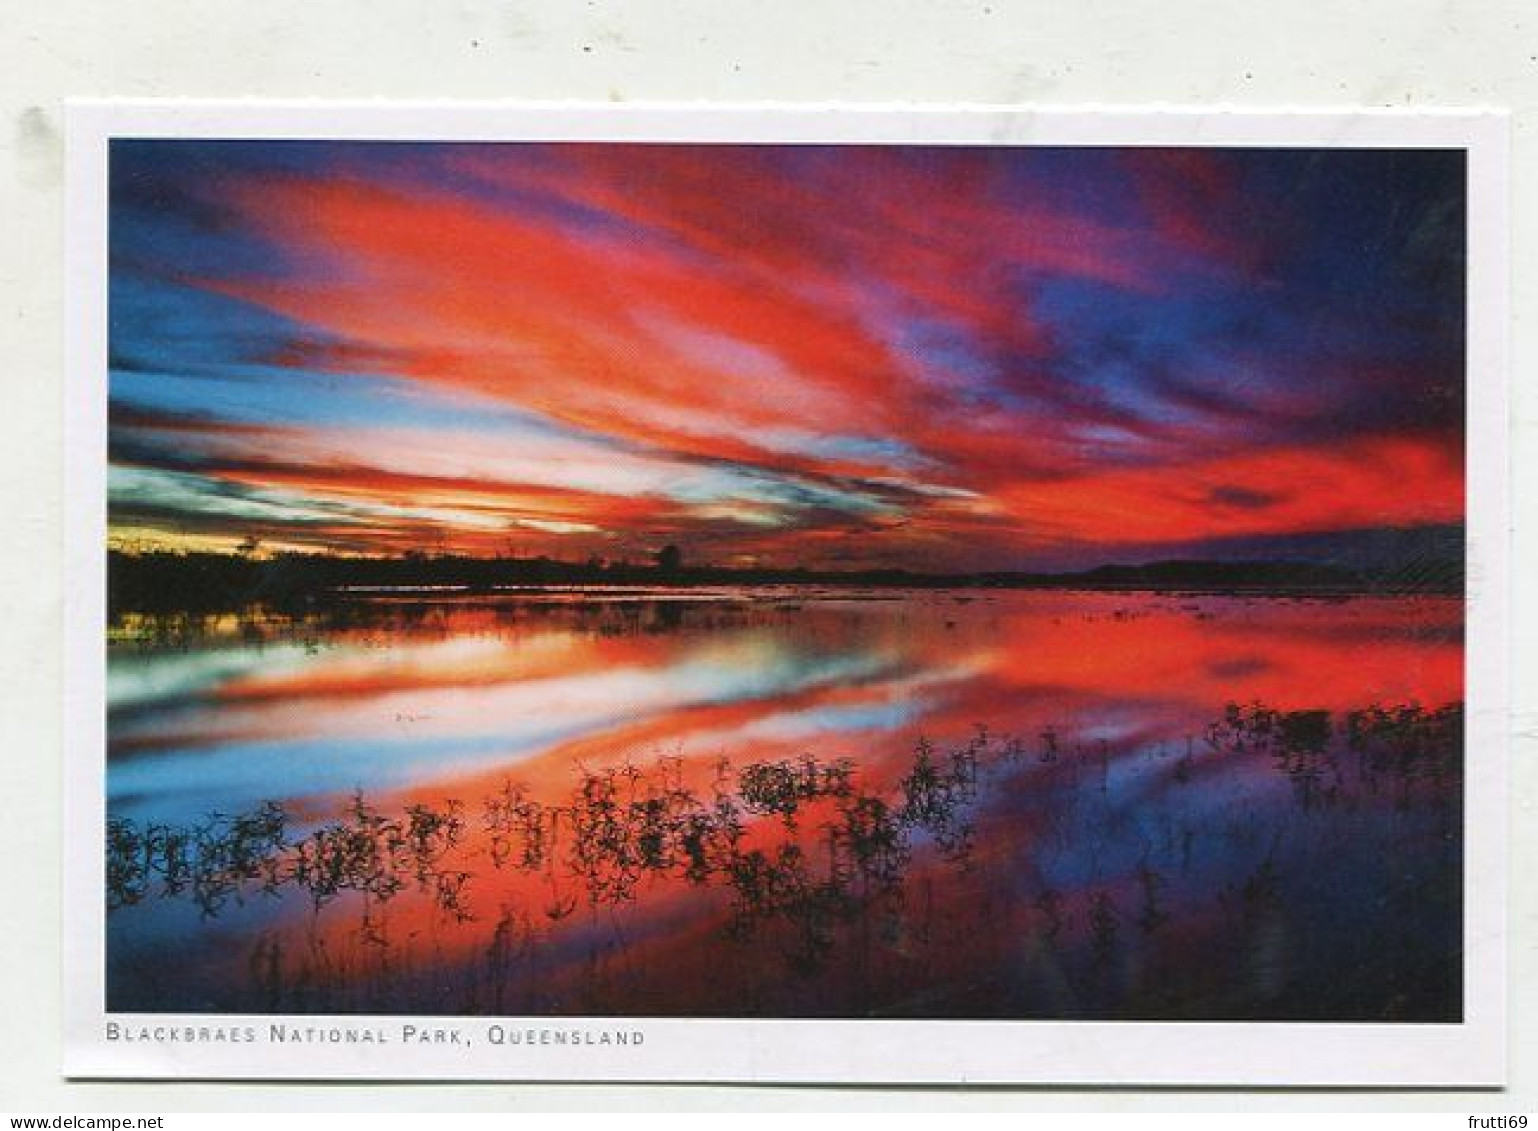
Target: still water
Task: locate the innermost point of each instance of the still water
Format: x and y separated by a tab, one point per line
791	802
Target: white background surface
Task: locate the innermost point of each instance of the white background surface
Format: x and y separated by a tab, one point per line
1399	53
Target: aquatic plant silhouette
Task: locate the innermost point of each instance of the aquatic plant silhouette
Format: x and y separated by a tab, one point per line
809	857
1409	745
782	788
621	826
938	798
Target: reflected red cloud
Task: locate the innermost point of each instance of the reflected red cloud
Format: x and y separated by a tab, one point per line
1126	681
1015	662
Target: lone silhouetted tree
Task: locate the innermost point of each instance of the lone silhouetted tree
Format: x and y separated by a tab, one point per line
670	559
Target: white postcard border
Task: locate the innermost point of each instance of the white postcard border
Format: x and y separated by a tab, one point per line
1472	1053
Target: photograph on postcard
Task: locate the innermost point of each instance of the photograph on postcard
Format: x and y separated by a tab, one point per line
800	580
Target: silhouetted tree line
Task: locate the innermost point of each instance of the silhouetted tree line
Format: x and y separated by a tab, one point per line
165	581
620	826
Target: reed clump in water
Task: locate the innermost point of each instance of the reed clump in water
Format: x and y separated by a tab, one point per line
818	858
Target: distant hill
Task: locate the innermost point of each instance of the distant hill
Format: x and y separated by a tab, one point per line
1439	576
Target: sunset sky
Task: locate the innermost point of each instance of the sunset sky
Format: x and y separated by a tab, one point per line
940	358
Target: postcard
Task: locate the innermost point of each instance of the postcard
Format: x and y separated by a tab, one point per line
770	594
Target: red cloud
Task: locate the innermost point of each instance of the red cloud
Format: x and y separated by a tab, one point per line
705	312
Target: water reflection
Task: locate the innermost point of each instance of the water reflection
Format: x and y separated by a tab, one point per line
589	808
